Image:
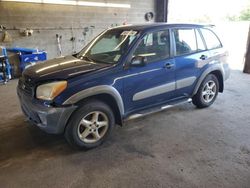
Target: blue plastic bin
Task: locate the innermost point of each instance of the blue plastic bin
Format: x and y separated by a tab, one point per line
28	56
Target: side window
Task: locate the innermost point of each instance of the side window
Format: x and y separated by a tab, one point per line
155	46
200	43
211	39
148	40
185	41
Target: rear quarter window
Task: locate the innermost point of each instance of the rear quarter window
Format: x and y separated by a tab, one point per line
212	41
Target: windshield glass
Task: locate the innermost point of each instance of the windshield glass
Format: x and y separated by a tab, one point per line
109	46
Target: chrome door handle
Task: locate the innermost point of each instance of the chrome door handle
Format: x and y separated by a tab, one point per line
168	65
203	57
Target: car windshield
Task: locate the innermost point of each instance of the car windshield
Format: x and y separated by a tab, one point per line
109	46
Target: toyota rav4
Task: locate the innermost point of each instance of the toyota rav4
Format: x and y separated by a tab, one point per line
123	73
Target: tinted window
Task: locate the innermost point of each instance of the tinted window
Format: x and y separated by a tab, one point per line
211	39
185	41
200	43
155	46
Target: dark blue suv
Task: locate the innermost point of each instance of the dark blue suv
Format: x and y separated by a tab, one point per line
124	73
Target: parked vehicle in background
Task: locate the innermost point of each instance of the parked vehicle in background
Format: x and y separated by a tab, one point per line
124	73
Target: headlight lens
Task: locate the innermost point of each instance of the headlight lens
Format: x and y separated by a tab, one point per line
51	90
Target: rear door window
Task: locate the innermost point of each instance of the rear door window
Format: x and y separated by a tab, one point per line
185	41
211	39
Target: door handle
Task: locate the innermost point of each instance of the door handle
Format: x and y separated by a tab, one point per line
203	57
168	65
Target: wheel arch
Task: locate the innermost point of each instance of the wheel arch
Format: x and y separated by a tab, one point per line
107	94
219	76
217	71
107	99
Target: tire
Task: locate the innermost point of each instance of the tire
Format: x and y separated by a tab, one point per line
91	119
205	95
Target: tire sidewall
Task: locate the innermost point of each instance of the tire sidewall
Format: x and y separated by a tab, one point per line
72	128
210	77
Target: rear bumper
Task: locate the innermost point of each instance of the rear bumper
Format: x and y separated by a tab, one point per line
226	71
50	119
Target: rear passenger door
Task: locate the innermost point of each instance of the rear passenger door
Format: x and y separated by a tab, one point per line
190	56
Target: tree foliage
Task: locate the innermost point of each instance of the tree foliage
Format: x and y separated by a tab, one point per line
243	16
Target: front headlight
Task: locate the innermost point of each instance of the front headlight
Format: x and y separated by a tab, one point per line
51	90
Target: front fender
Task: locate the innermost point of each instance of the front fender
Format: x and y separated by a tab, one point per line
102	89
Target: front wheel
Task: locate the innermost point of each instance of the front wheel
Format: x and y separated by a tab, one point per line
90	125
207	92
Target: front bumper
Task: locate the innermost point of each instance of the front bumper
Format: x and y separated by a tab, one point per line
50	119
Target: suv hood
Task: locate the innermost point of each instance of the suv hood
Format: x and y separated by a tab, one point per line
61	68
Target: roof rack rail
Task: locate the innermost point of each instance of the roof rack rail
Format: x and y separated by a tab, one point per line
210	25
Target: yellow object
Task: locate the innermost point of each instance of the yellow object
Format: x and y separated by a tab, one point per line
51	90
7	37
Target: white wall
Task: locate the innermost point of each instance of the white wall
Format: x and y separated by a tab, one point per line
233	34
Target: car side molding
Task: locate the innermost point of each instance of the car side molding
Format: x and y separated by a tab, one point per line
154	91
101	89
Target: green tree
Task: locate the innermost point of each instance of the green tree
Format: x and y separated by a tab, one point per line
245	15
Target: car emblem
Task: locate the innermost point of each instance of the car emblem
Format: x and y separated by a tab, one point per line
23	86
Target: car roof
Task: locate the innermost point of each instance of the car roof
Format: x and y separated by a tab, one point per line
145	27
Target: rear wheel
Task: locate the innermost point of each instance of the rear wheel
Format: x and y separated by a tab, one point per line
90	125
207	92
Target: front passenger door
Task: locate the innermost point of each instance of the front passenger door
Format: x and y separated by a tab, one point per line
153	83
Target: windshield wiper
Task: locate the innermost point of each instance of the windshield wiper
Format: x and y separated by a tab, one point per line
93	60
87	57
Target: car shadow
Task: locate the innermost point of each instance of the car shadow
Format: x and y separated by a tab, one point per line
20	140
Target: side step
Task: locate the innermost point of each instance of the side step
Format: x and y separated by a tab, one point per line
157	109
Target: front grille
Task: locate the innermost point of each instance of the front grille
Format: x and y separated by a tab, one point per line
25	86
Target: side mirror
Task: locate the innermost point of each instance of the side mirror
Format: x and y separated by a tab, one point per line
138	61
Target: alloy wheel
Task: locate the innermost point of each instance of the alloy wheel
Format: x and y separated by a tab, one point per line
93	127
209	91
